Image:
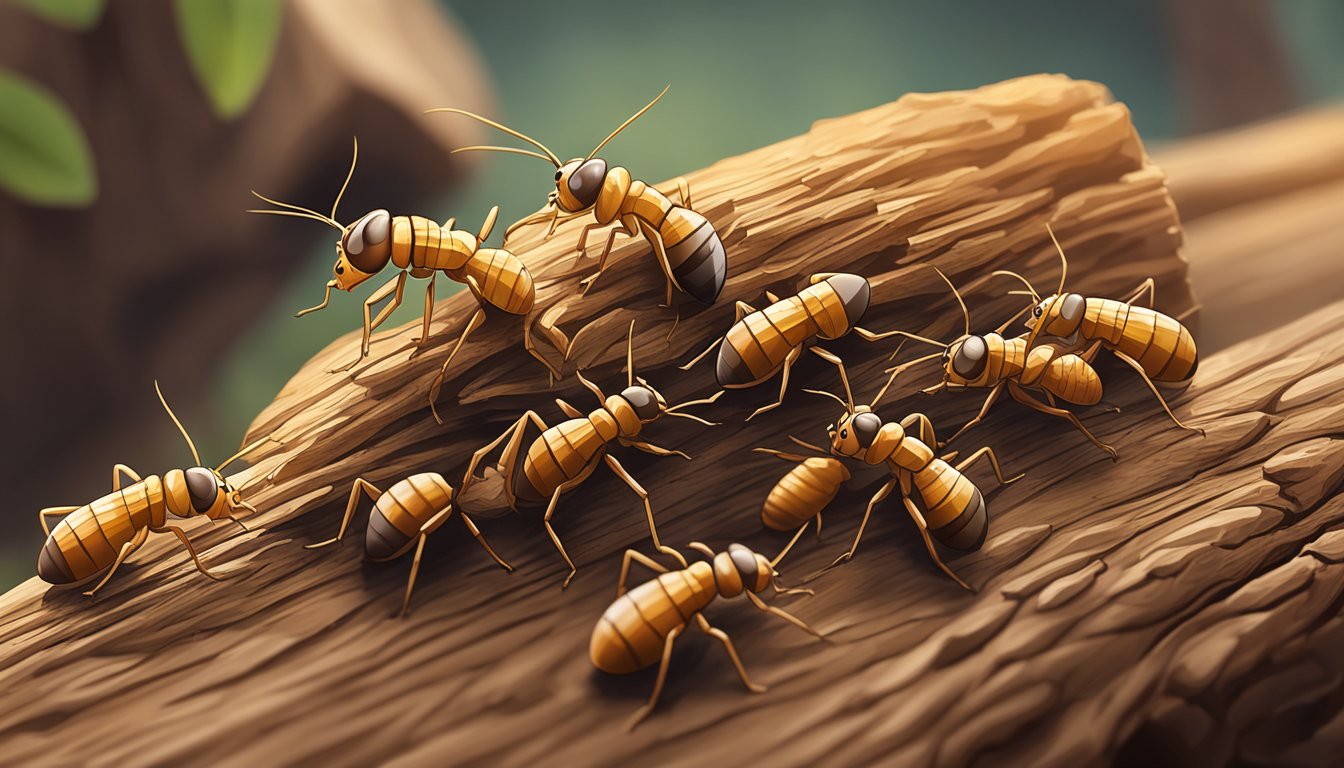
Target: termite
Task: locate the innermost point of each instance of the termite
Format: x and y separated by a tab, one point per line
402	517
686	245
1158	347
953	508
764	342
421	248
640	628
96	539
565	455
998	363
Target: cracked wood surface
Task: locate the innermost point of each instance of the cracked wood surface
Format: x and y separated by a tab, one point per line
1182	599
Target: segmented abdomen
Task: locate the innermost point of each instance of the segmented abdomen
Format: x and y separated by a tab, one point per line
397	516
631	633
953	506
695	254
1162	345
86	542
755	347
1070	378
803	493
504	280
562	453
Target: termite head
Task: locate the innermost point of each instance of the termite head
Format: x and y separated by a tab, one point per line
647	403
854	432
363	250
741	569
578	183
966	362
1057	315
639	403
200	491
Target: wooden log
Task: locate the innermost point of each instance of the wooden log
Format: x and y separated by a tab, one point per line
1121	608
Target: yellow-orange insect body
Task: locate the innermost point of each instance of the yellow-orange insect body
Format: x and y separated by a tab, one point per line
764	342
639	629
95	539
802	493
422	248
403	517
1160	344
565	455
943	503
998	363
1159	348
686	245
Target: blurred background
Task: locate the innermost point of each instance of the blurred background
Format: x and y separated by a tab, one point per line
131	134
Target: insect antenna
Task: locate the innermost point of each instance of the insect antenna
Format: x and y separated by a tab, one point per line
245	450
1063	260
194	455
294	210
700	547
550	156
1013	319
354	158
630	356
896	371
965	314
844	377
825	393
803	443
1031	290
785	551
627	123
703	401
509	150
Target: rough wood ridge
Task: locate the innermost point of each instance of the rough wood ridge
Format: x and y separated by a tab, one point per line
1184	599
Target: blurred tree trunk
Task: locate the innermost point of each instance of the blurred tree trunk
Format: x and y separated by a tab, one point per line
1231	65
163	271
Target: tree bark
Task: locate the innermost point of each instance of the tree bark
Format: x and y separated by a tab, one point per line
1185	598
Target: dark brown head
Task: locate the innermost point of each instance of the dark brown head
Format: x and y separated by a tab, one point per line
364	249
966	360
741	569
647	403
578	184
1058	315
854	432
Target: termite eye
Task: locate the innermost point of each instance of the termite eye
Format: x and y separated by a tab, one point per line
558	174
844	433
340	270
1038	312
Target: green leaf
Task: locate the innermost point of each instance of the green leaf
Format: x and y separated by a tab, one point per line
76	14
44	157
230	45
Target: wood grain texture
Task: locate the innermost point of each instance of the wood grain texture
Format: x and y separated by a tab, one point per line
1184	598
